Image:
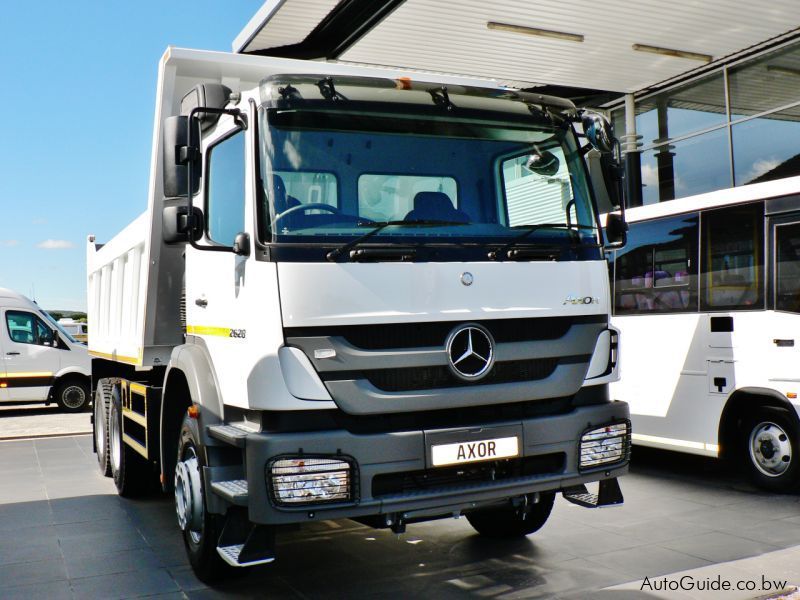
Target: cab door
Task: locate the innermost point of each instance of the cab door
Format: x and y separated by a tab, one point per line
216	280
31	355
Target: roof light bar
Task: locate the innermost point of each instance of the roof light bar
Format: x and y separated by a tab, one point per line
558	35
672	52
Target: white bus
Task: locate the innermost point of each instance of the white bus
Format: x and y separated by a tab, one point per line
707	297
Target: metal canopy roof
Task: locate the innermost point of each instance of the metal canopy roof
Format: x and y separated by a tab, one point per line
584	44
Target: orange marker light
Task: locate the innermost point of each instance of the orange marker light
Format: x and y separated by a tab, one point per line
403	83
791	395
193	411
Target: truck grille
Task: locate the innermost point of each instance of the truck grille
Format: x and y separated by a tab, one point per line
424	335
431	378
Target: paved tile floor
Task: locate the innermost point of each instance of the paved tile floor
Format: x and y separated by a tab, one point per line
65	534
38	420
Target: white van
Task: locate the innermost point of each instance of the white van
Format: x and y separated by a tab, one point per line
41	362
77	329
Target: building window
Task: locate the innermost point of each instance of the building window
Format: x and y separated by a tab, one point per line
694	140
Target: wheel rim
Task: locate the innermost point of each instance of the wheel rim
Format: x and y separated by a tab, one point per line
73	396
99	425
115	440
770	449
188	495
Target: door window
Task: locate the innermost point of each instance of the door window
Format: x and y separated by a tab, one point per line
27	328
733	258
787	267
225	199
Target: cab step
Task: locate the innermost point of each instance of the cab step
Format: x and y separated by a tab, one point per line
258	547
234	435
234	491
232	556
608	494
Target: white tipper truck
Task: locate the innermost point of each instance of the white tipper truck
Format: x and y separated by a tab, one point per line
385	298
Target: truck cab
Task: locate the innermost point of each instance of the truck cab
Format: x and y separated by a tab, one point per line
356	295
41	362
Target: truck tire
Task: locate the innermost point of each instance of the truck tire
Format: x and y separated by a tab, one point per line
201	529
128	468
102	404
72	395
771	448
508	522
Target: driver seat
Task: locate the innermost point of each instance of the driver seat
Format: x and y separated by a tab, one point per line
435	206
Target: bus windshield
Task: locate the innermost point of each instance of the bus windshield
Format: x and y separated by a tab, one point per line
329	177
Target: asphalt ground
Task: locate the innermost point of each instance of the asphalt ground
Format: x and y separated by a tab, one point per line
64	533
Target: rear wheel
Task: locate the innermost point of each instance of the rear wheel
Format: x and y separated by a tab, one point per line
201	529
510	521
102	403
770	445
128	468
72	395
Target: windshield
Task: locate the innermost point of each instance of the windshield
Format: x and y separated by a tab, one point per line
58	326
330	177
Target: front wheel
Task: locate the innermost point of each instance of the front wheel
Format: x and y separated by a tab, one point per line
513	522
72	395
770	443
201	529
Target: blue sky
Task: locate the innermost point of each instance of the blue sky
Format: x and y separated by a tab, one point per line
78	94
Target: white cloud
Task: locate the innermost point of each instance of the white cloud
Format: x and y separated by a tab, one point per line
9	243
55	244
764	165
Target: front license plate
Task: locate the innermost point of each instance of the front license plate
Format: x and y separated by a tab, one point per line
467	452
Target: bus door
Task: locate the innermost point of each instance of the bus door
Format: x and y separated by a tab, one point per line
784	328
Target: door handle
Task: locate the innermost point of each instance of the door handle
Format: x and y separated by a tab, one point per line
12	353
201	302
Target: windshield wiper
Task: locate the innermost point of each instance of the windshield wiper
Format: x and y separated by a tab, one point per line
530	230
380	226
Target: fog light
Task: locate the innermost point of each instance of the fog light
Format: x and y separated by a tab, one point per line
303	480
605	445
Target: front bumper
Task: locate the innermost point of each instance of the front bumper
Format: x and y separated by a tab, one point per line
378	455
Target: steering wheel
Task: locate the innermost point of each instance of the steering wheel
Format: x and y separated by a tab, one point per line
305	207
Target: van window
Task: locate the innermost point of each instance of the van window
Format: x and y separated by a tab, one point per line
27	328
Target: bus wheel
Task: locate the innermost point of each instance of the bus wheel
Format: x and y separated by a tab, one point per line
201	529
72	395
771	447
511	522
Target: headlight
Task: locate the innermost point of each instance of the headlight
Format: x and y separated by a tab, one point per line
301	480
605	445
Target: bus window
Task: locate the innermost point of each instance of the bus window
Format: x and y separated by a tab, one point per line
657	270
787	259
733	258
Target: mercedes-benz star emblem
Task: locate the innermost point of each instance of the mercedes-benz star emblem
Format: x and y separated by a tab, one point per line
470	349
467	278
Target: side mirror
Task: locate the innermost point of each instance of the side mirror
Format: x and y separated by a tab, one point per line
241	244
616	230
180	144
177	225
598	131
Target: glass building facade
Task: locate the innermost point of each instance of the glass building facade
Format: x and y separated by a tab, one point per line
735	125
